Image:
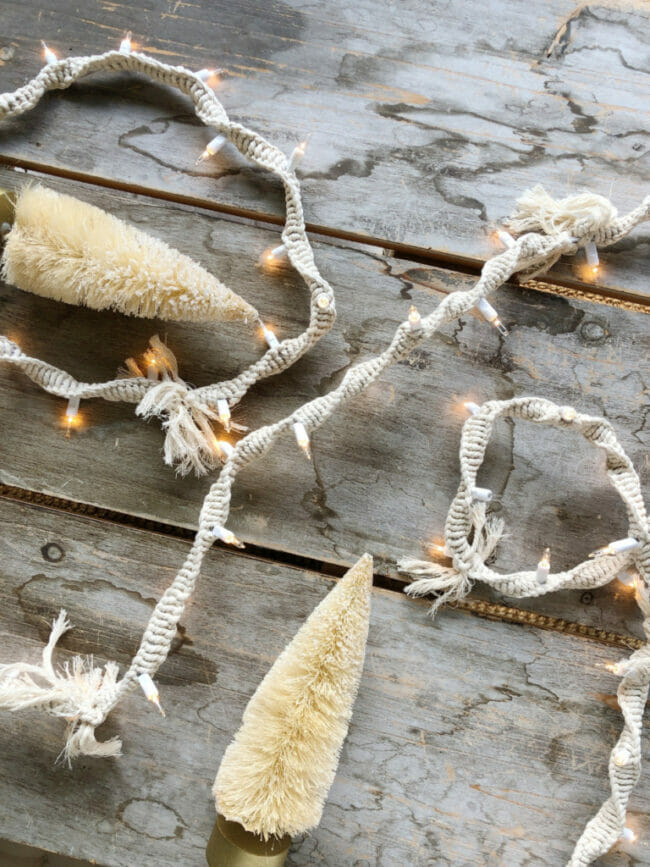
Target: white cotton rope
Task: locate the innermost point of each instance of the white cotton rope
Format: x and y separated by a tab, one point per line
466	530
187	444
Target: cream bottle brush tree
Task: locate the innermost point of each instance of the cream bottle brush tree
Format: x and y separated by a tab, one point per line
274	777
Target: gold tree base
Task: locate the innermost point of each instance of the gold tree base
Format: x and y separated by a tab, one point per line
230	845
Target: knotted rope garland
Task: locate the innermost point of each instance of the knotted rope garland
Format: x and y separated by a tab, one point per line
185	410
466	530
19	688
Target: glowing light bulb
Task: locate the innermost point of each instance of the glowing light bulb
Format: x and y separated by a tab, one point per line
209	76
212	148
488	312
472	407
613	667
568	413
544	567
591	255
322	301
49	56
297	154
273	256
484	495
628	835
125	44
72	417
226	536
620	546
414	319
225	449
506	238
271	340
150	690
440	549
302	438
224	412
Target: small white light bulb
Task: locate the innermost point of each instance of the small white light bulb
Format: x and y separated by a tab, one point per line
484	495
302	438
620	546
297	154
224	412
49	56
506	238
212	148
414	319
225	449
271	340
150	690
488	312
591	254
472	407
209	76
226	536
72	417
544	567
628	835
125	44
322	301
613	667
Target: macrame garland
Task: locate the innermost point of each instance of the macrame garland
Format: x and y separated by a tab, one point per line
188	442
528	251
470	538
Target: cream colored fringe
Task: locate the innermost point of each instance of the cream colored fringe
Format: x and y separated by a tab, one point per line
77	692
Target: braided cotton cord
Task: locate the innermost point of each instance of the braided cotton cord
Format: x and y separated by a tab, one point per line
255	148
466	527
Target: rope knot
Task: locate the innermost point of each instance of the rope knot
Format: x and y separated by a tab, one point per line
583	215
190	443
78	692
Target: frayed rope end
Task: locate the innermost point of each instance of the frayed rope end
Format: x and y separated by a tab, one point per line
581	214
77	692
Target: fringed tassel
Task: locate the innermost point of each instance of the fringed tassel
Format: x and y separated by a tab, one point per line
190	443
449	583
78	692
584	213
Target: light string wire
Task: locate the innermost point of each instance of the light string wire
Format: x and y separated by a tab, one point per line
194	404
69	693
466	529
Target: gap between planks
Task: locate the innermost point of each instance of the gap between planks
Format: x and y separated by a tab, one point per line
434	258
480	608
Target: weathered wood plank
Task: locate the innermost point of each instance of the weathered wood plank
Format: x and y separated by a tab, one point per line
471	742
385	468
429	119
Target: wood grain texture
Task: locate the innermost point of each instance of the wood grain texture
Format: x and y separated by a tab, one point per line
428	118
385	467
471	742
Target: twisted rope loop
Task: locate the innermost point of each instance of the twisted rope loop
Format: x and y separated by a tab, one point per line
465	535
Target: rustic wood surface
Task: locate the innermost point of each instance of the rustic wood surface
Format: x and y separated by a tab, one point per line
473	742
533	705
385	468
428	118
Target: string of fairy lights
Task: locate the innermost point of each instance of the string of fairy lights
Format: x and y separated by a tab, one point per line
155	368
